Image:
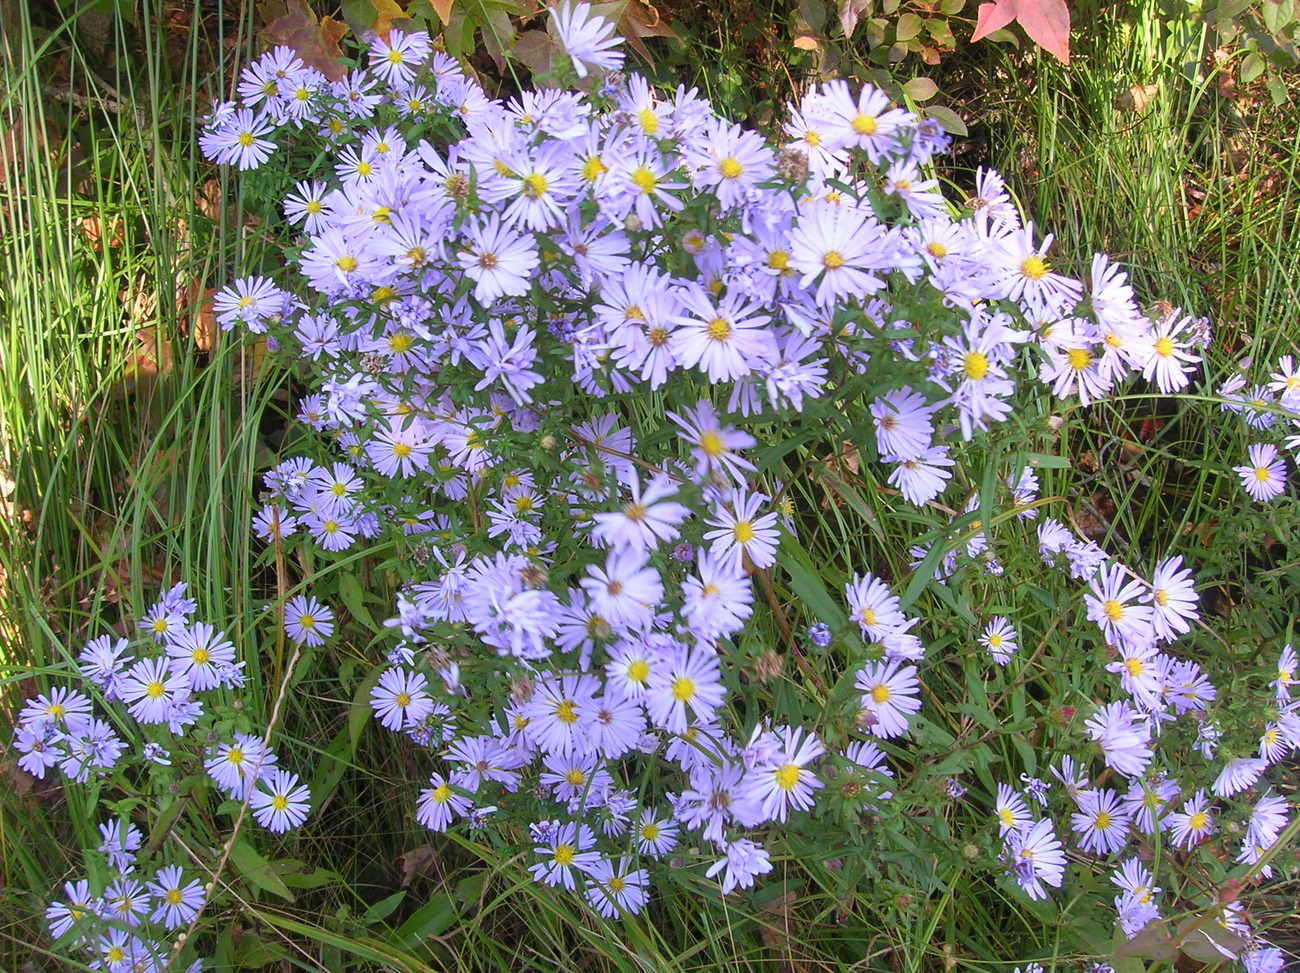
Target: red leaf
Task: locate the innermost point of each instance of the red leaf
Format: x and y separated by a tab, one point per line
1047	22
993	16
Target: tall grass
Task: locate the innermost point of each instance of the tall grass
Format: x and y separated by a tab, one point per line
129	472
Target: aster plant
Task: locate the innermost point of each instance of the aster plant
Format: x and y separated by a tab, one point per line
569	354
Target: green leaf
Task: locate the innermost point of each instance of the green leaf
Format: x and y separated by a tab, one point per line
859	504
315	879
1045	461
350	592
332	766
908	26
384	908
1276	90
948	119
1251	67
360	712
359	14
429	920
808	586
250	863
921	89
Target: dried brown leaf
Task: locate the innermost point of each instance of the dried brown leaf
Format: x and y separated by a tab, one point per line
416	862
315	42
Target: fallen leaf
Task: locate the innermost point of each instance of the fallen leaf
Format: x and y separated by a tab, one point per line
317	43
639	19
416	862
806	42
1137	97
534	49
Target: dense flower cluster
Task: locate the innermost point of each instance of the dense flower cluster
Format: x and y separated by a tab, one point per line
121	922
557	344
579	256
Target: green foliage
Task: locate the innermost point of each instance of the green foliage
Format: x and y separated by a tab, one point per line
1262	35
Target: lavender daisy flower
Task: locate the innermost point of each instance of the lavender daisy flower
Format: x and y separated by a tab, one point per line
588	39
1036	858
307	621
176	902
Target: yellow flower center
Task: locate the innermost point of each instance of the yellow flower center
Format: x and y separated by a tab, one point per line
1133	666
712	445
778	259
575	777
617	884
719	329
1162	597
593	169
200	657
174	897
564	854
995	641
1198	821
1261	474
279	802
936	249
976	365
1113	609
683	688
743	532
880	693
566	711
346	263
868	616
638	671
1006	817
1035	268
535	185
635	512
650	831
245	139
364	168
812	138
832	260
402	699
1079	358
644	179
155	689
394	56
864	124
235	756
730	168
1101	821
1164	347
786	776
648	120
